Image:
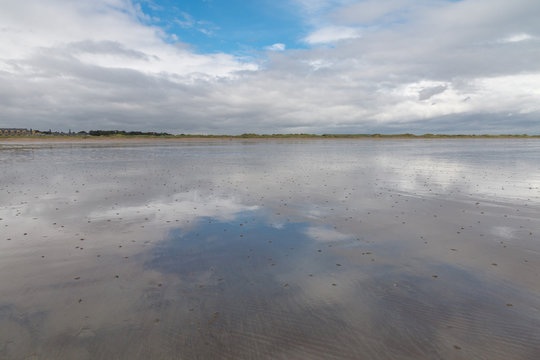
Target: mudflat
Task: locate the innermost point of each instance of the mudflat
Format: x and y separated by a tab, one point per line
234	249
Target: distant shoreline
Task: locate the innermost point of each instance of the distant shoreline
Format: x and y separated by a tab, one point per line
146	138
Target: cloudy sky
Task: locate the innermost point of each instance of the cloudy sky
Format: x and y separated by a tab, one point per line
266	66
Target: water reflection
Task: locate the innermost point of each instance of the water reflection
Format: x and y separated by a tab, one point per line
326	249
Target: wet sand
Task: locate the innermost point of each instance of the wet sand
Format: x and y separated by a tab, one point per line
273	249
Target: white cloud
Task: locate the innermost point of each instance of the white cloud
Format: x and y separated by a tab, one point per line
186	21
319	64
332	34
45	30
486	95
276	47
516	38
207	27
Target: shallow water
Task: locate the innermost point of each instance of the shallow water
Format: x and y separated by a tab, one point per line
379	249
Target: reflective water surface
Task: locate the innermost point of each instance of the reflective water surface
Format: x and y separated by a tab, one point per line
313	249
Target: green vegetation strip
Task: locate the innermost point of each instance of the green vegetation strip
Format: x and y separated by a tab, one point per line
138	134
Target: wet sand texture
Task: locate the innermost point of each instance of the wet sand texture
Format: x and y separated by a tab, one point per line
292	249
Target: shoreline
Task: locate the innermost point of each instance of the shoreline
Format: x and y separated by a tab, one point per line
97	139
120	139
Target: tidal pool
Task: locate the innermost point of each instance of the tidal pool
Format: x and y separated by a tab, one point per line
293	249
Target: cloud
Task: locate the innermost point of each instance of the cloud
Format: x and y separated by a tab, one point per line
207	27
105	47
186	21
428	92
276	47
516	38
103	33
368	12
332	34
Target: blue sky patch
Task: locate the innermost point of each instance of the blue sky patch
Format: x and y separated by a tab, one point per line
230	26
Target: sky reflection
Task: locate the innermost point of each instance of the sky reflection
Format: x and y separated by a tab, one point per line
325	249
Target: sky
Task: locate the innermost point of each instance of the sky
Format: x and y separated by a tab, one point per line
263	66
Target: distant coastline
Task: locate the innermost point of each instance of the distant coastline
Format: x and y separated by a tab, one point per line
123	137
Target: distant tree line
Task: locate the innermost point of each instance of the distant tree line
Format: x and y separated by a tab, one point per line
122	132
262	136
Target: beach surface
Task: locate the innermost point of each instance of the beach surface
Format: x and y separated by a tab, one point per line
274	249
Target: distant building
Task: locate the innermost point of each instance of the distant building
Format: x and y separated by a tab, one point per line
16	132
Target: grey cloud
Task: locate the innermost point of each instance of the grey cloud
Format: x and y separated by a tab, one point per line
450	39
106	48
426	93
371	11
